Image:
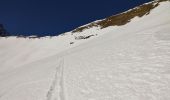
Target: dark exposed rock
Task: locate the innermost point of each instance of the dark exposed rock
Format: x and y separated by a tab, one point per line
3	32
122	18
83	37
71	42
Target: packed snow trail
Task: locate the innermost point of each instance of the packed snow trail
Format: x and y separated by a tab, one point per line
56	91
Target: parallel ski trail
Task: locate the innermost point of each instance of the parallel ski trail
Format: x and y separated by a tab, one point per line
56	91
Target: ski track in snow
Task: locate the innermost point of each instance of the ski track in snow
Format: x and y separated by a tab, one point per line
56	91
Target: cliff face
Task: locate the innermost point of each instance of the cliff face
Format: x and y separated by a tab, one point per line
3	32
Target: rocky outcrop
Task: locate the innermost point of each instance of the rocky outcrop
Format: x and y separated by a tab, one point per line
3	32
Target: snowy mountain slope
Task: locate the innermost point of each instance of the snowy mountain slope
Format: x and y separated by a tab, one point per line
130	62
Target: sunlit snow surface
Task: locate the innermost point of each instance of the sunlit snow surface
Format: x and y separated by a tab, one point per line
131	62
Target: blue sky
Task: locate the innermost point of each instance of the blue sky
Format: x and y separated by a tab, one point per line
52	17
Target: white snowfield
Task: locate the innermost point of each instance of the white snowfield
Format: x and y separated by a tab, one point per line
130	62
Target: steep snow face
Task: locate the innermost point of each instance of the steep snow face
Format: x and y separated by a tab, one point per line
130	62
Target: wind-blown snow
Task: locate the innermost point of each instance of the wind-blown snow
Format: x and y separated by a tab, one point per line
130	62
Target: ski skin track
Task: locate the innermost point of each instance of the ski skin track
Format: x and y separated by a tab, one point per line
56	91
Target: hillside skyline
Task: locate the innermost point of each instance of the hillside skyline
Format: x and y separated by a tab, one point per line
52	18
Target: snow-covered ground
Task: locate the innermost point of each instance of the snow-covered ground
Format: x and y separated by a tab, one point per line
130	62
